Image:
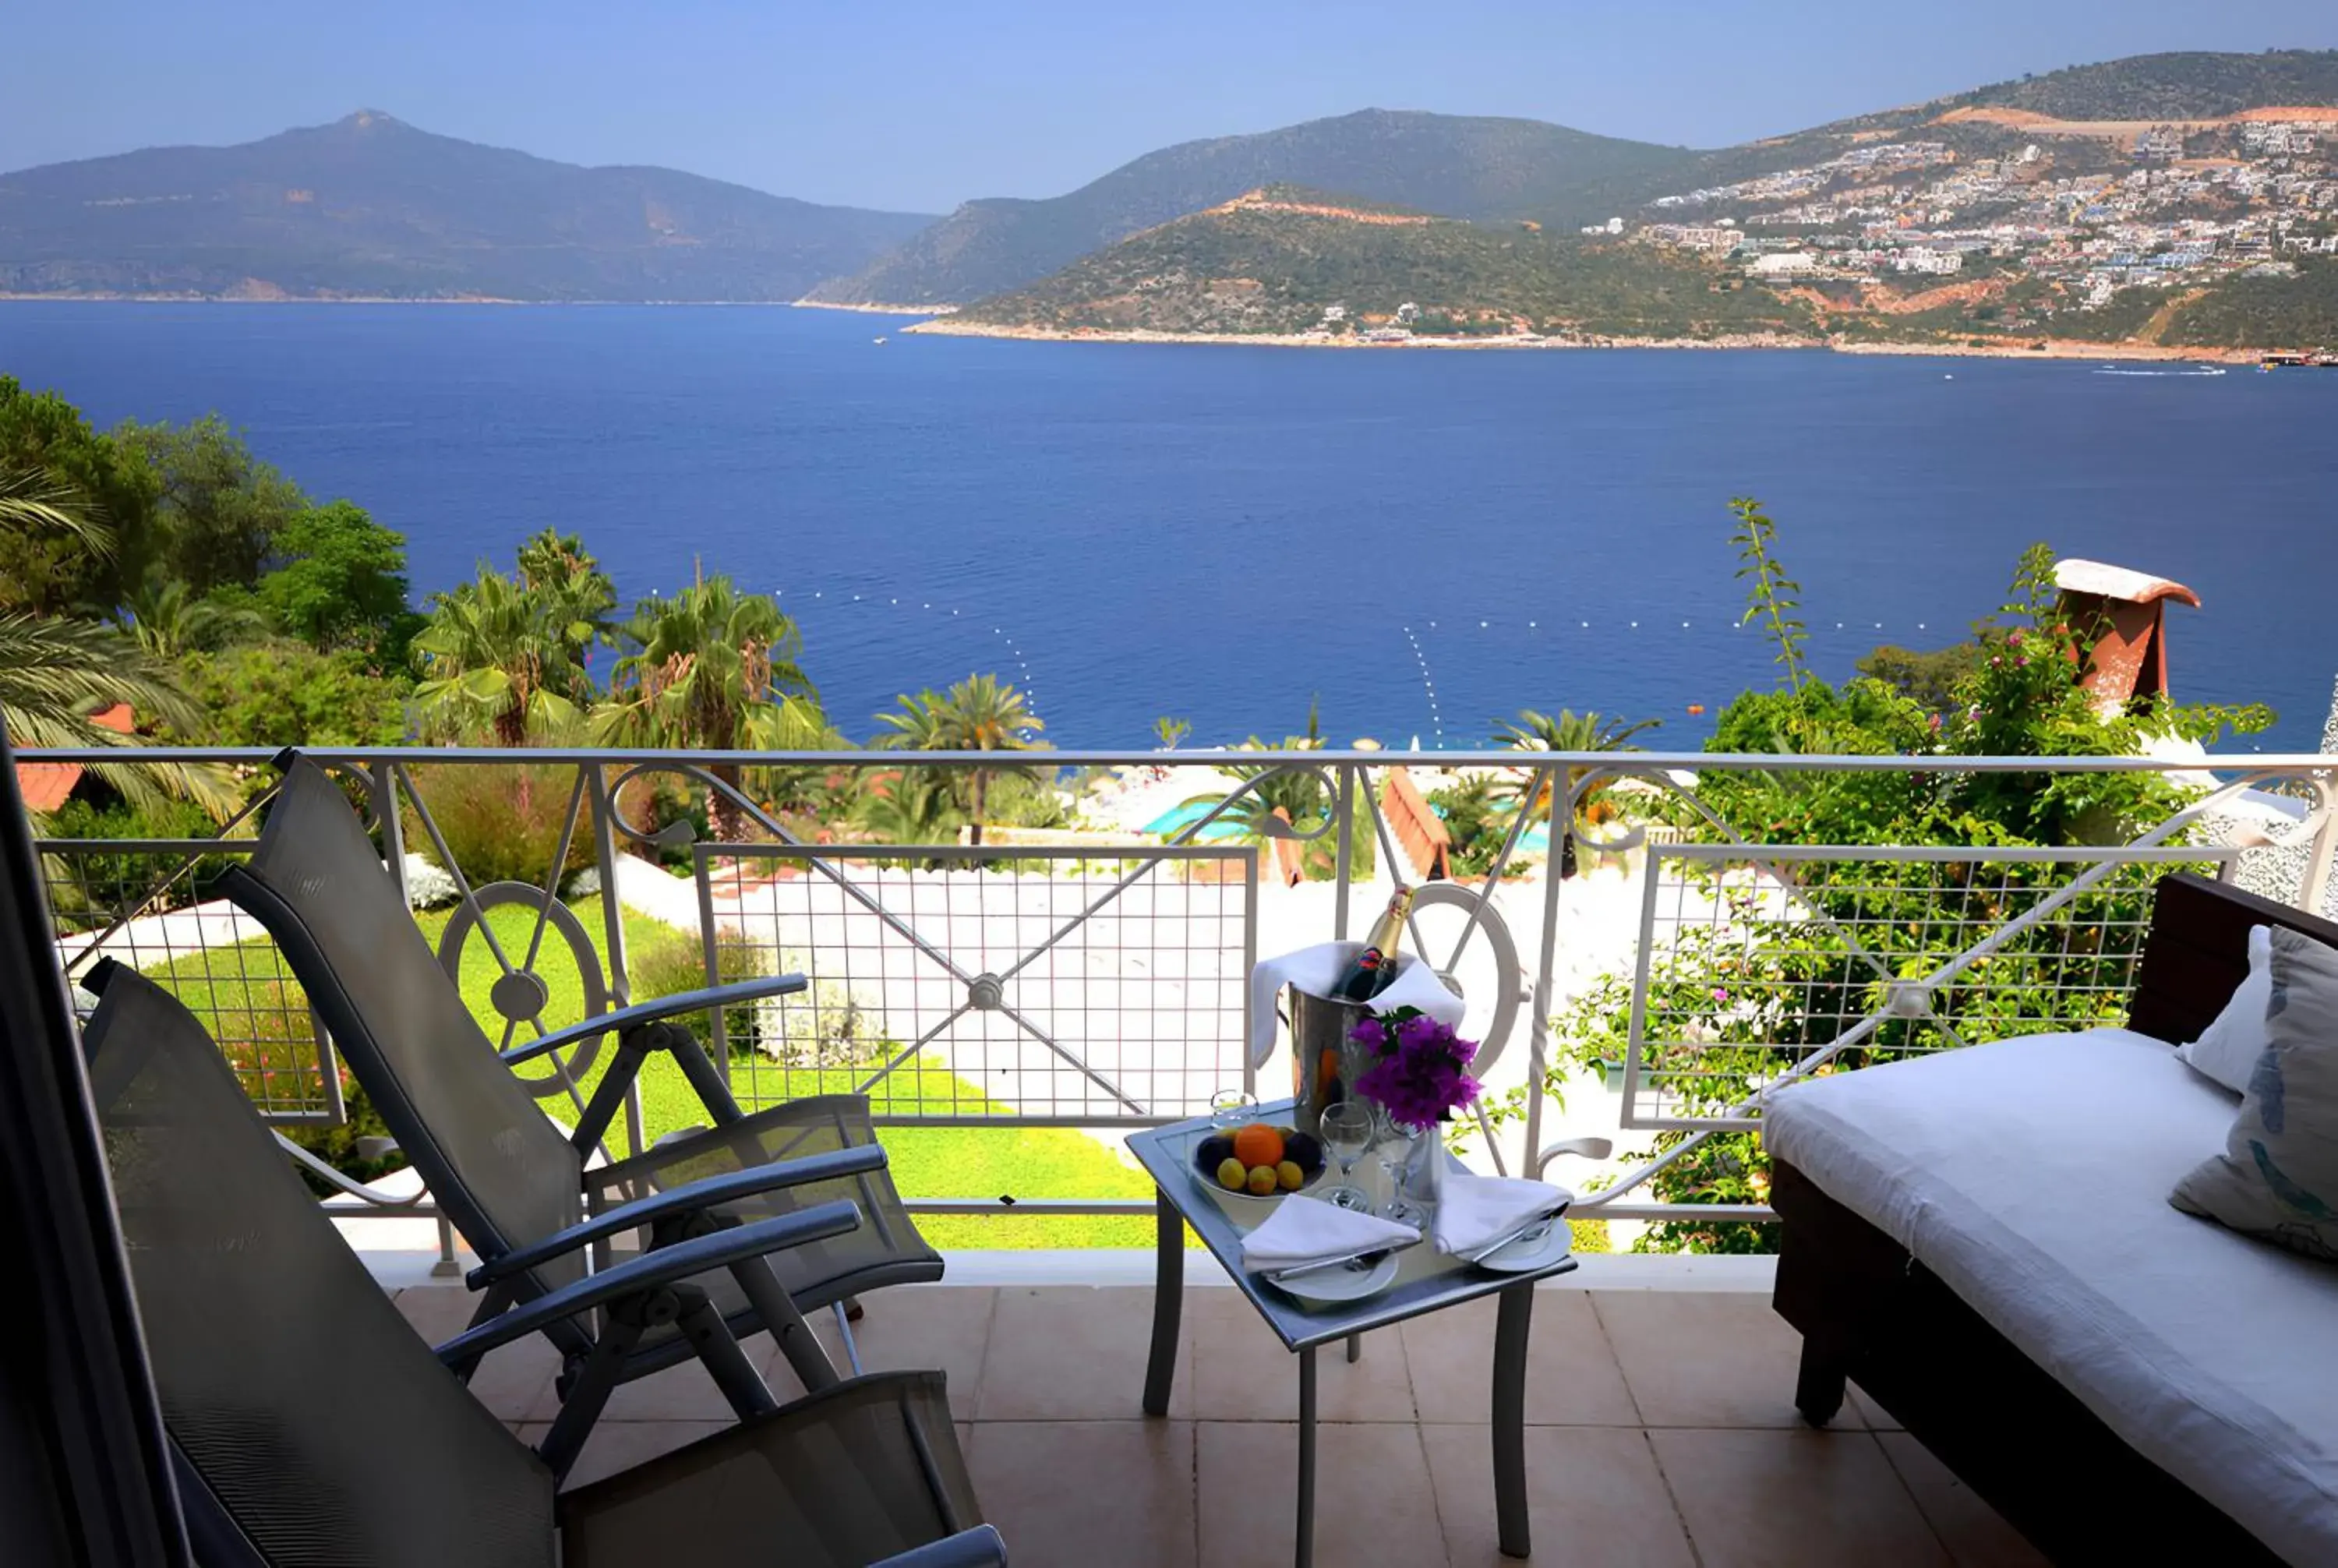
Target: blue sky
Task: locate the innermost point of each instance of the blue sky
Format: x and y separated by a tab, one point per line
917	105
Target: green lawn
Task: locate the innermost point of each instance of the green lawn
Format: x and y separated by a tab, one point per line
240	990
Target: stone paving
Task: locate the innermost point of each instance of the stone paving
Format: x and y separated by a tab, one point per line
1661	1431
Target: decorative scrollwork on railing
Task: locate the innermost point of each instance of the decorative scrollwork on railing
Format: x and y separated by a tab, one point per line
681	833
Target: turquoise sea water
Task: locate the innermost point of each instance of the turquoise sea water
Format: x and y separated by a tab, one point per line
1422	541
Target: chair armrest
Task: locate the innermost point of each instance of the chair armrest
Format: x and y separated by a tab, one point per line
979	1548
698	1255
656	1009
704	1193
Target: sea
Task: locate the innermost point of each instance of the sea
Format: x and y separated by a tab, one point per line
1415	544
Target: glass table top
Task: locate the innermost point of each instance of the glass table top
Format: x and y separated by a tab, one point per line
1425	1279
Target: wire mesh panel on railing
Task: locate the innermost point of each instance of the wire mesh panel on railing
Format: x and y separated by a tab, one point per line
136	902
1757	965
956	983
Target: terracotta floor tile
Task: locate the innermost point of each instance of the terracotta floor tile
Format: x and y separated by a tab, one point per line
1595	1497
1241	1372
943	1327
1072	1354
438	1312
1082	1493
1975	1535
1793	1499
1374	1502
684	1392
1706	1359
1572	1379
515	1381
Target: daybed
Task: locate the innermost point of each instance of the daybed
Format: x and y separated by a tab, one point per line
1982	1242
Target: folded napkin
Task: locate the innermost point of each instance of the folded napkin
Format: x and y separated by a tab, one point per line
1315	969
1472	1211
1304	1230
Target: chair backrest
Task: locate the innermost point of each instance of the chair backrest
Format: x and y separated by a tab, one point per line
319	1421
498	1168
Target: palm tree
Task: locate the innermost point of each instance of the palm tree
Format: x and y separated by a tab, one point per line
1566	730
34	501
511	652
55	675
715	669
980	714
169	622
913	806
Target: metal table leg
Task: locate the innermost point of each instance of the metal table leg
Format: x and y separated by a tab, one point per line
1305	1556
1510	1323
1168	1303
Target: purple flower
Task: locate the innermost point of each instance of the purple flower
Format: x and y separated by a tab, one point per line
1721	993
1420	1074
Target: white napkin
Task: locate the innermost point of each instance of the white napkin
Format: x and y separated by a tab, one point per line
1315	969
1472	1211
1303	1229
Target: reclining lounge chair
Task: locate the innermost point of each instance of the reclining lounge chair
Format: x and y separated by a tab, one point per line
309	1423
521	1193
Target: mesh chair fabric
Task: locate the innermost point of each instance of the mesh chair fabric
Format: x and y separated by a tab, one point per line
490	1156
323	1423
885	1249
838	1479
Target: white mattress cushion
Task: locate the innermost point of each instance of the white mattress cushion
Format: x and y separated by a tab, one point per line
2032	1176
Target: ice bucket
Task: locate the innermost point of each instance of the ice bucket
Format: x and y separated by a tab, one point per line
1324	1063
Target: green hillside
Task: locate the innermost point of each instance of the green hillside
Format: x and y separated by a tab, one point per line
1258	269
2297	313
370	206
2187	86
1459	166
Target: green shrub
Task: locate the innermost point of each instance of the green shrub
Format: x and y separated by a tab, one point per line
88	889
502	822
676	962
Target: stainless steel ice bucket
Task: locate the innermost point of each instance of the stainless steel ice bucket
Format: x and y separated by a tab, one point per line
1324	1063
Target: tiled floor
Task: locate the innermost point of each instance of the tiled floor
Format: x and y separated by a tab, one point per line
1661	1431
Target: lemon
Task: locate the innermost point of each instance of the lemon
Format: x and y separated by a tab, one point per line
1262	1180
1233	1174
1290	1175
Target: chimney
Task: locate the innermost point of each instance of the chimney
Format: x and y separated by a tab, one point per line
2124	613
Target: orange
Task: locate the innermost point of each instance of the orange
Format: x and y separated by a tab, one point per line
1258	1145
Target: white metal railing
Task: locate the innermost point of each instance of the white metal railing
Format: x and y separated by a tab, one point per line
1102	985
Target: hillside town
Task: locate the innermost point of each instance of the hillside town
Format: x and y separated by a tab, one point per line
2191	208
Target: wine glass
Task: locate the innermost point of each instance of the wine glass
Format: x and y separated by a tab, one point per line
1396	1154
1347	1132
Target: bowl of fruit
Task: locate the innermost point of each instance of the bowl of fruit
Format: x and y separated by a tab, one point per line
1251	1168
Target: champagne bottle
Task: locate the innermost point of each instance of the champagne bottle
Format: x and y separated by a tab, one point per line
1372	970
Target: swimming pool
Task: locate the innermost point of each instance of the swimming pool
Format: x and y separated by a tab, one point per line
1178	818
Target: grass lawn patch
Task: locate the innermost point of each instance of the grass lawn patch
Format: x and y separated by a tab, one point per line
244	992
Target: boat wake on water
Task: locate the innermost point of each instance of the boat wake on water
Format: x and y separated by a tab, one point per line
2181	370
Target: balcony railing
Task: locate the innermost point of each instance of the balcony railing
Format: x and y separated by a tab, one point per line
1098	982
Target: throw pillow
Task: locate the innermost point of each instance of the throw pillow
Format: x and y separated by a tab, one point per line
2228	1049
2277	1177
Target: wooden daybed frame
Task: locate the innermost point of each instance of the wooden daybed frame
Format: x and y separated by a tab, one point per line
1871	1314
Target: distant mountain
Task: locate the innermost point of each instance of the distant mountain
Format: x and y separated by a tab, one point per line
1453	165
2194	86
1504	171
1285	260
369	206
